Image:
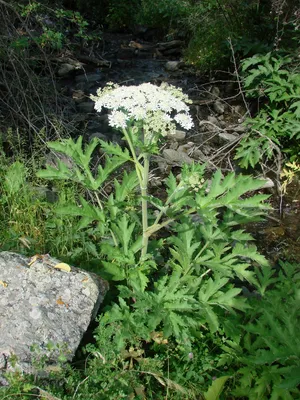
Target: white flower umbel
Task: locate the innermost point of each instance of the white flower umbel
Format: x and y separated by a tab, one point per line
166	105
145	112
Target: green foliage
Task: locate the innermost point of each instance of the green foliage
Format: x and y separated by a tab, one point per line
184	285
268	352
20	217
122	13
29	212
180	324
166	13
53	34
211	23
275	79
216	388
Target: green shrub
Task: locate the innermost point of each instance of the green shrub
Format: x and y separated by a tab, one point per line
210	23
275	81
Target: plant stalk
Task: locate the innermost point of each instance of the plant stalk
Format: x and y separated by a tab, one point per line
144	187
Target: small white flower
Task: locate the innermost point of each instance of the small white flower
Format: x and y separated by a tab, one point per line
167	118
184	120
138	113
118	119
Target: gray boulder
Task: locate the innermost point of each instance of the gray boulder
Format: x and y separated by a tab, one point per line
44	301
173	65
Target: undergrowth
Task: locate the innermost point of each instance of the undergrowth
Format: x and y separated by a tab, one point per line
197	311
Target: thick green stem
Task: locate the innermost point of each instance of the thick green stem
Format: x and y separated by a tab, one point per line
138	167
143	176
144	204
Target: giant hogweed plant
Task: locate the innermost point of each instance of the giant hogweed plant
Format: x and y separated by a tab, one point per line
176	260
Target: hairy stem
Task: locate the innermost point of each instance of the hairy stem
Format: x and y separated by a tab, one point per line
138	166
144	204
142	172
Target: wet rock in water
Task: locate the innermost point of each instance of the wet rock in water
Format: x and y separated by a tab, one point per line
219	107
66	69
91	77
87	81
44	301
86	107
78	96
162	46
173	65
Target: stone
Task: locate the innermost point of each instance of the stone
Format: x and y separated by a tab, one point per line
177	135
214	120
241	128
41	304
219	107
227	137
98	135
173	65
175	157
212	124
65	69
215	92
78	96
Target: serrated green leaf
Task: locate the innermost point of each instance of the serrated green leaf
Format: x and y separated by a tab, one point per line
123	231
61	172
211	318
115	149
216	388
210	288
113	271
126	186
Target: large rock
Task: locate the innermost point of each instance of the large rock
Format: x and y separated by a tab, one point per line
41	303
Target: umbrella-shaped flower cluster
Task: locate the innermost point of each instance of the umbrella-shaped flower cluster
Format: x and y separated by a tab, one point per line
156	109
